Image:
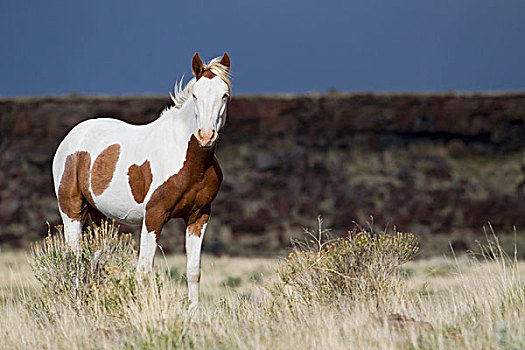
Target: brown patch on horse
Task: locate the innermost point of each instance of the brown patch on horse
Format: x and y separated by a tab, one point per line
196	222
104	168
73	191
197	66
187	194
207	74
139	178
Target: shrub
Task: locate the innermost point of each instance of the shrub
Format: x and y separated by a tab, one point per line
361	266
96	288
99	276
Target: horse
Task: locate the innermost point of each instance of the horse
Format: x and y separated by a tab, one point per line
148	174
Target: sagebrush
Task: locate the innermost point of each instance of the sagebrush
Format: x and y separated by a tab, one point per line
100	275
97	287
361	266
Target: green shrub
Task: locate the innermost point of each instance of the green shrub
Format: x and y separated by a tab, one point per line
99	276
361	266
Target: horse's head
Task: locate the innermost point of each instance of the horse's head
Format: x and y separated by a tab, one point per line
211	93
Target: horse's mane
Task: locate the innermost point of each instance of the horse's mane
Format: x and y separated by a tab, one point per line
181	95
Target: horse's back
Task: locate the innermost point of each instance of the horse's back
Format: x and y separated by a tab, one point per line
92	132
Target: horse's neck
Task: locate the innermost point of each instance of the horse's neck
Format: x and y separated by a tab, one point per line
174	126
174	130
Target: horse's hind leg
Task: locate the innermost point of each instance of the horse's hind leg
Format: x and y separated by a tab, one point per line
71	202
73	217
72	231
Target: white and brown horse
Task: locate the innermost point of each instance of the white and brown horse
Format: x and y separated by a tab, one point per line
148	174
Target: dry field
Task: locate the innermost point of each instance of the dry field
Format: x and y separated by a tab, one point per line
438	304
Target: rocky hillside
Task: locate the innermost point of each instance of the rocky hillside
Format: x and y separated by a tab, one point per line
431	164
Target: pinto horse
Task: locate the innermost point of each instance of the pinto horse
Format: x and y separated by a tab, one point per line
148	174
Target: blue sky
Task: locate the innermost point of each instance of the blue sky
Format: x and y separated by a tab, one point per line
141	47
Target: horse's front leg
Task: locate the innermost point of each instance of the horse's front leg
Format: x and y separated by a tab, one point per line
148	246
195	228
149	237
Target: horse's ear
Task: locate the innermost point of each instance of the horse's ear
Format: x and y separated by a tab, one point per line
225	61
196	65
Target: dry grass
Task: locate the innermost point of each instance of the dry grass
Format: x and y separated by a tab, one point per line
462	304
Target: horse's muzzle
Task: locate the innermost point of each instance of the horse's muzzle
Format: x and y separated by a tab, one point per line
206	139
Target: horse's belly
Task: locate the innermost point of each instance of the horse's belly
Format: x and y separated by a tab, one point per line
120	206
115	209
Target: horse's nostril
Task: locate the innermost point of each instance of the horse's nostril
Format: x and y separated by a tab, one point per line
206	139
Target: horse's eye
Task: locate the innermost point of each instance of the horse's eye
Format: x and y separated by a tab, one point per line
226	96
195	97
